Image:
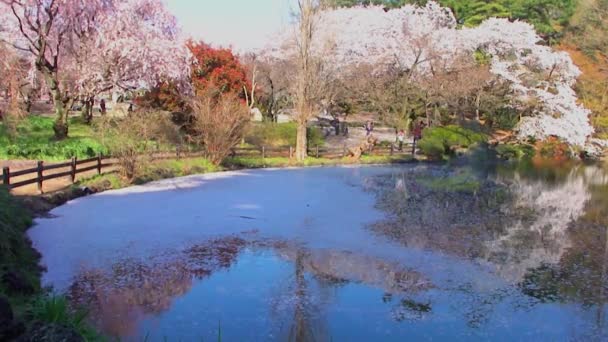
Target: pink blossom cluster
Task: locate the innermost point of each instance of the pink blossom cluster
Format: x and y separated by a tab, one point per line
96	45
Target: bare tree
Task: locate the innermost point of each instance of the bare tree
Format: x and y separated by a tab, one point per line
133	139
309	70
218	123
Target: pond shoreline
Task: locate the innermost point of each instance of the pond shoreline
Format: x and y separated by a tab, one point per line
20	304
41	206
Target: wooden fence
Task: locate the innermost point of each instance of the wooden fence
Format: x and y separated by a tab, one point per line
74	167
66	169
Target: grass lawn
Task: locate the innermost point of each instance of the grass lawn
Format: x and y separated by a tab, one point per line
34	140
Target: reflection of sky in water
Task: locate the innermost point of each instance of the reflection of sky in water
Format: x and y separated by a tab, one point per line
241	299
322	216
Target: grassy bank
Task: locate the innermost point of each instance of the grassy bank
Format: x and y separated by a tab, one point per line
40	314
178	168
34	140
28	311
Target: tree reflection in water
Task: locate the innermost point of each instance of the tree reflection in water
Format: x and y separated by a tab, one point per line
546	241
544	230
318	273
132	289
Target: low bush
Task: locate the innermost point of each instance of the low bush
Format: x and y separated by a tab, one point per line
133	139
281	134
553	148
514	151
56	310
440	142
504	118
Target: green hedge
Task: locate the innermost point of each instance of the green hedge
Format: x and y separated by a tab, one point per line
440	142
281	134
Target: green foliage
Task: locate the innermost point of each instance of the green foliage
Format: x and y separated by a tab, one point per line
440	142
174	168
548	16
55	309
504	118
482	57
515	152
103	182
35	140
283	134
15	249
473	13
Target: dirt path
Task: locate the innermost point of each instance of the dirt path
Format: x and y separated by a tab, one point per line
357	134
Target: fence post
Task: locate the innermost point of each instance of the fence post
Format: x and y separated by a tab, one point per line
99	164
40	167
317	152
73	170
263	152
290	152
6	175
344	150
392	149
414	148
177	152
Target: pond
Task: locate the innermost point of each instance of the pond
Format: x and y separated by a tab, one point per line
423	252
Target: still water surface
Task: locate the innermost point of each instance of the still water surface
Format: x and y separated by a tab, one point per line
421	252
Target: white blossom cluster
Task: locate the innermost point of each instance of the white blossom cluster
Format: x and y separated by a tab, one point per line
536	72
417	36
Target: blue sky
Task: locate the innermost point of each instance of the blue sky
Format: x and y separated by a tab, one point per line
242	24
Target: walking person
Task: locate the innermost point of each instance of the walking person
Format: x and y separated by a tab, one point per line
417	132
369	127
336	124
102	106
344	128
400	139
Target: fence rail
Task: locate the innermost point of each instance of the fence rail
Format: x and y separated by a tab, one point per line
74	167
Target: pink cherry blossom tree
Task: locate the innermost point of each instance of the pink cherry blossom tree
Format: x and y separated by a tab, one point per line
84	47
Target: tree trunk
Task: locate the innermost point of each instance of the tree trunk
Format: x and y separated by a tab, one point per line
60	127
301	142
87	110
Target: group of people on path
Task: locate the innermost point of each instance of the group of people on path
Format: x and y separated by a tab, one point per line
416	133
341	127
